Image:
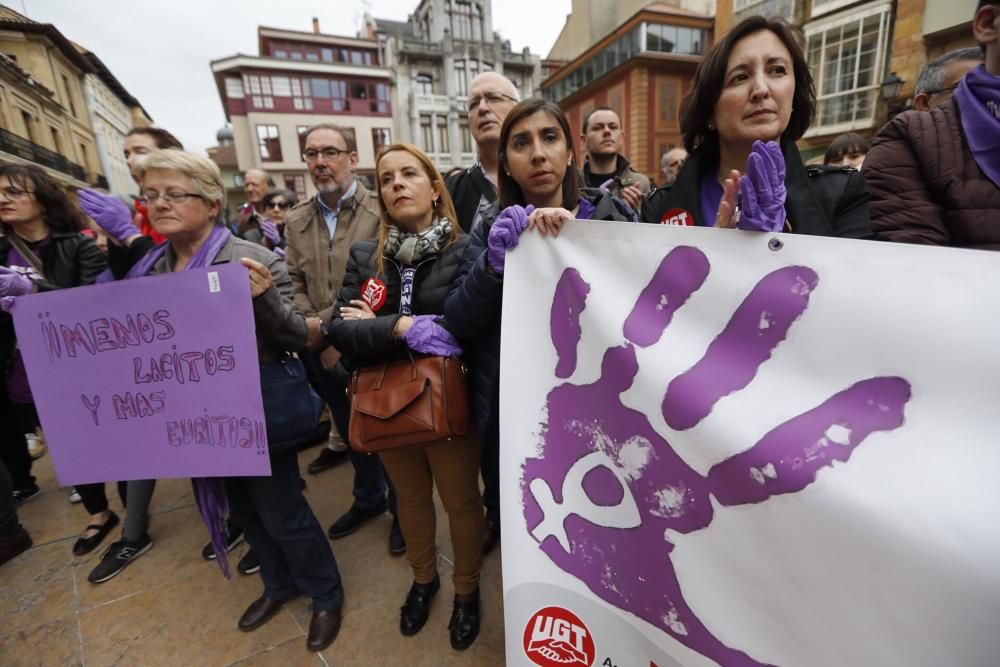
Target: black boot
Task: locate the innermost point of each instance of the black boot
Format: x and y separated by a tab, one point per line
464	625
414	613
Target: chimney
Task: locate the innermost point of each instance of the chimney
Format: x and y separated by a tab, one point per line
315	25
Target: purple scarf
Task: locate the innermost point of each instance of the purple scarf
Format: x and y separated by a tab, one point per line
978	98
209	492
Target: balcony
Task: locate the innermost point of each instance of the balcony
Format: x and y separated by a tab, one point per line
32	152
421	48
431	103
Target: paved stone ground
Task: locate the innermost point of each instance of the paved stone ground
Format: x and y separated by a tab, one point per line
170	607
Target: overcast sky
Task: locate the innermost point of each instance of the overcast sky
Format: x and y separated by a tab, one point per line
160	51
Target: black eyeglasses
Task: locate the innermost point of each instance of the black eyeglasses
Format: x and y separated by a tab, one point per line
283	205
328	154
147	198
491	99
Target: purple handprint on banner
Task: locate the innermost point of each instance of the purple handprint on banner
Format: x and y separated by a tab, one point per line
605	485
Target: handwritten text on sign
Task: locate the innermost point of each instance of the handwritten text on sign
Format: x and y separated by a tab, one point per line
147	378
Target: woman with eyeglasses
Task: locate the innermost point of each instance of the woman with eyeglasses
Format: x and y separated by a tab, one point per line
41	249
274	207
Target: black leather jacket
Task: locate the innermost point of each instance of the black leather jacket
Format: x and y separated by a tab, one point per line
69	259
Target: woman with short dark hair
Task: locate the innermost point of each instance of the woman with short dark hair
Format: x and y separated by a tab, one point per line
751	99
270	231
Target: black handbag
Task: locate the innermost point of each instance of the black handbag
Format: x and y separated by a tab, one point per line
291	406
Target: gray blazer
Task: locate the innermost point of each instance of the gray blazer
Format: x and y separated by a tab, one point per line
279	326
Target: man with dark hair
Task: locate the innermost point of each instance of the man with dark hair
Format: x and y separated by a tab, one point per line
941	76
934	175
605	165
319	233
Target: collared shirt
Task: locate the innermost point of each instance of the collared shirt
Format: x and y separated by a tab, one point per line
330	214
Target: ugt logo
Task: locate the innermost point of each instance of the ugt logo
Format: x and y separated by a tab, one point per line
556	637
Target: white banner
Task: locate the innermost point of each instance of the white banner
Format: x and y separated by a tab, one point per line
733	448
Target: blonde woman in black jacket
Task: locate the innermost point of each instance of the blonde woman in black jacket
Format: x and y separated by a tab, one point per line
391	302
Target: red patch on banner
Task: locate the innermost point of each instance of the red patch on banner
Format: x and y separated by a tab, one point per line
373	292
677	216
556	637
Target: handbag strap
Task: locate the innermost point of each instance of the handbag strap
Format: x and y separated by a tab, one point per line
27	253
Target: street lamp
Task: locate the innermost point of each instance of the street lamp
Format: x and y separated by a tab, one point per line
891	86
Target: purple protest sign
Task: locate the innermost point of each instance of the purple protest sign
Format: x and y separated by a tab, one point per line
155	377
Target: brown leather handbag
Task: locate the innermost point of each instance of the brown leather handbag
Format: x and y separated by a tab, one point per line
409	402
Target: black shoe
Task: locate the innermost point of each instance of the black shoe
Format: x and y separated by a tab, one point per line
249	564
397	544
21	495
14	544
232	541
85	545
326	460
413	614
464	625
491	536
117	556
323	629
259	612
353	519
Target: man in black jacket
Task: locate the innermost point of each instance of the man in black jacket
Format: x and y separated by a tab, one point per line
491	97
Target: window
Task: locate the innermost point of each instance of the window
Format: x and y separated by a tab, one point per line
425	84
666	100
338	93
461	81
461	20
381	137
301	130
69	95
321	88
444	146
301	95
381	102
268	143
426	134
297	184
234	87
356	58
465	135
281	53
846	58
312	56
26	119
260	90
84	161
327	55
56	141
296	55
674	39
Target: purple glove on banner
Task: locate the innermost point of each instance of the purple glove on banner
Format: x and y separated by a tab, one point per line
110	213
428	337
504	234
270	231
762	190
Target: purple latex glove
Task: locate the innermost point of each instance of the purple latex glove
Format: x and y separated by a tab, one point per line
607	185
13	283
280	252
270	231
7	303
110	213
762	190
504	234
428	337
